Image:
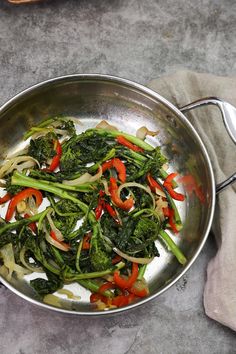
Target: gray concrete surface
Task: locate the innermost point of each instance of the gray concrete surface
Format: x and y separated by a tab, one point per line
139	40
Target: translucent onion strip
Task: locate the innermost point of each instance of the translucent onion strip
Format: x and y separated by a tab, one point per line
138	185
105	125
85	178
55	243
16	163
69	294
57	232
106	189
8	257
27	265
143	132
132	259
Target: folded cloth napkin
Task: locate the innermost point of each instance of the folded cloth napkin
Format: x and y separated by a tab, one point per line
182	88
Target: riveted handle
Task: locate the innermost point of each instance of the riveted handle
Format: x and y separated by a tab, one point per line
228	113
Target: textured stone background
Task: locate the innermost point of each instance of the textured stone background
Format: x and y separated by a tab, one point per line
139	40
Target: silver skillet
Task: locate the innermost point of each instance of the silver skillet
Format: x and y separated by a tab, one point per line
128	105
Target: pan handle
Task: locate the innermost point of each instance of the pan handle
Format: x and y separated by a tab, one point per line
228	113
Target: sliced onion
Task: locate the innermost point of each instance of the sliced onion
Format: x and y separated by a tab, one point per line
32	206
138	185
55	243
165	166
159	192
2	183
32	268
85	178
97	176
8	257
69	294
17	153
25	165
132	259
106	189
52	300
105	125
57	232
143	132
160	204
15	163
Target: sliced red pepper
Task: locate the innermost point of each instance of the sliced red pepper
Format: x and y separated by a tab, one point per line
5	198
86	243
175	195
26	193
94	297
123	300
32	225
153	183
107	165
98	210
170	177
56	159
166	212
53	235
168	186
101	193
118	165
172	221
125	205
123	141
140	292
106	286
116	259
112	213
120	168
126	283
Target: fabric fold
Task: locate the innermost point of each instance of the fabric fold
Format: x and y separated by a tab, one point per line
182	88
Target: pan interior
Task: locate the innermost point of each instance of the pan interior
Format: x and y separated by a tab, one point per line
127	106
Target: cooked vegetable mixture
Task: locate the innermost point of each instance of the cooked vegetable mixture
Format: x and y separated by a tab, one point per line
87	208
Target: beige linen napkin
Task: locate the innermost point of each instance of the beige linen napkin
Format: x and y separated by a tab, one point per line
182	88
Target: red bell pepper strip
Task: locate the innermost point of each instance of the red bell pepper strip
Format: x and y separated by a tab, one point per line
143	292
56	159
86	243
107	165
98	210
120	168
172	221
166	212
26	193
125	205
106	286
123	141
53	235
170	177
100	206
5	198
126	283
175	195
32	225
153	183
94	297
123	300
118	165
168	186
116	259
112	212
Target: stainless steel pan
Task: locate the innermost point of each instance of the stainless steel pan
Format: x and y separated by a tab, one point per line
129	106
